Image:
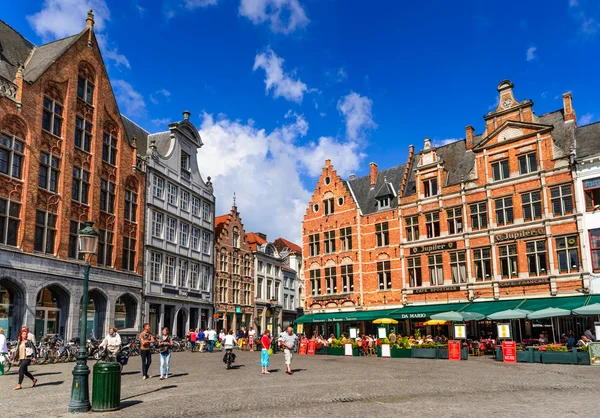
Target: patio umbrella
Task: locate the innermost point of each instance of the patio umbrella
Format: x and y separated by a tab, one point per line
510	314
434	322
385	321
550	313
593	309
458	316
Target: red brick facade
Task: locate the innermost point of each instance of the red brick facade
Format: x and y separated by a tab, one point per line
428	241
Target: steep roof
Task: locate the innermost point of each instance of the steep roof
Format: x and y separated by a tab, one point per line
45	55
14	49
281	243
254	240
162	140
588	140
220	224
563	133
365	195
133	130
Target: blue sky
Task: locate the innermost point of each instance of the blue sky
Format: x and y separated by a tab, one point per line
277	86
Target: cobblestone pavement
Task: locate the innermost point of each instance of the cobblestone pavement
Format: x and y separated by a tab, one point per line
324	385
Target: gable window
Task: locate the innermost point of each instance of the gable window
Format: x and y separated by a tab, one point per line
568	255
592	194
313	245
49	172
105	248
383	275
155	266
247	267
74	227
383	203
85	89
532	206
346	238
458	267
195	206
382	234
45	231
509	267
414	272
432	224
483	264
157	224
172	194
223	261
184	201
158	187
430	187
128	254
527	163
315	282
81	185
83	134
562	202
236	238
185	161
347	278
107	196
455	220
206	213
109	148
329	239
9	221
11	156
536	257
412	228
171	229
500	170
205	243
478	216
235	263
436	270
52	118
330	281
130	206
329	207
504	211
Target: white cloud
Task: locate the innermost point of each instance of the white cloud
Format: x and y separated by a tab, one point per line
265	169
585	119
284	16
130	101
192	4
282	83
531	53
161	122
590	26
573	3
342	75
62	18
358	114
162	92
442	142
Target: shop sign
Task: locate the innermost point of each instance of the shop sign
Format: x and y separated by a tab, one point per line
524	282
434	247
591	183
503	330
509	351
348	349
311	348
381	332
436	289
454	350
353	333
385	351
302	347
460	331
512	236
413	316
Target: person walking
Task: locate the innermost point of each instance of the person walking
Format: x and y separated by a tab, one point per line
165	343
265	343
251	336
3	351
25	353
210	336
288	340
193	338
146	338
201	337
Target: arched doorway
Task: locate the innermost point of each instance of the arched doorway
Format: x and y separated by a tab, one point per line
51	311
12	307
96	314
125	311
181	322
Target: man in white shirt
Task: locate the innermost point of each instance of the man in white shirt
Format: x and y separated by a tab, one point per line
112	342
210	337
229	342
288	340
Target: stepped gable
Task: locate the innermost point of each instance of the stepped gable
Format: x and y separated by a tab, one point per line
366	196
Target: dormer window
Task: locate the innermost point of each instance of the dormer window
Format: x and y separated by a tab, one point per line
185	161
383	203
328	205
430	187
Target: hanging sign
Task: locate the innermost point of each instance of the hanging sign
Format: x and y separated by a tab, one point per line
381	333
385	351
460	331
509	351
454	350
348	349
504	331
353	332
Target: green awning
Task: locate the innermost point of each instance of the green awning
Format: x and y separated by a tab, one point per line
425	311
344	316
488	308
594	299
568	302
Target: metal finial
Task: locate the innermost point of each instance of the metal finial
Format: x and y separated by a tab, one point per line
234	198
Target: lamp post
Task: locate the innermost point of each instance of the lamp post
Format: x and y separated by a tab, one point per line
80	393
275	338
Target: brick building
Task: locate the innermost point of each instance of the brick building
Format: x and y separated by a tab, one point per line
483	224
234	273
65	158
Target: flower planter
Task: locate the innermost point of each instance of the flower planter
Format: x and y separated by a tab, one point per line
336	351
499	356
355	352
322	350
401	352
558	357
424	352
443	353
523	356
583	357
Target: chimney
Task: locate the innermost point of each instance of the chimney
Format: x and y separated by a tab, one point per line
470	136
568	107
373	174
263	236
327	162
19	82
89	22
352	176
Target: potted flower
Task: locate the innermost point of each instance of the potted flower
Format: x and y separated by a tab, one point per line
425	350
336	348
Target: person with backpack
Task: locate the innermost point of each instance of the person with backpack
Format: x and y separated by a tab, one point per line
165	343
25	353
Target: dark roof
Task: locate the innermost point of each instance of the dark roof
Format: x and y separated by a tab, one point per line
282	243
385	190
134	130
563	133
14	49
365	195
162	141
588	140
46	55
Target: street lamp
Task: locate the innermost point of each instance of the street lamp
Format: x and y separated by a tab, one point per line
80	393
273	303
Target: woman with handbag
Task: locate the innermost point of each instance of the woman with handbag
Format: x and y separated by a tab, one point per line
25	353
165	343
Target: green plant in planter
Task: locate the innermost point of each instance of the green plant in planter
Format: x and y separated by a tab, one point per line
556	348
384	341
335	343
426	345
417	334
403	343
584	348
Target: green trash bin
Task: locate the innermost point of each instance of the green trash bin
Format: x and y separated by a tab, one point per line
106	389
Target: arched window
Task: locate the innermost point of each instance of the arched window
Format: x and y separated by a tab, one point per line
236	237
125	312
235	263
12	148
85	84
223	260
